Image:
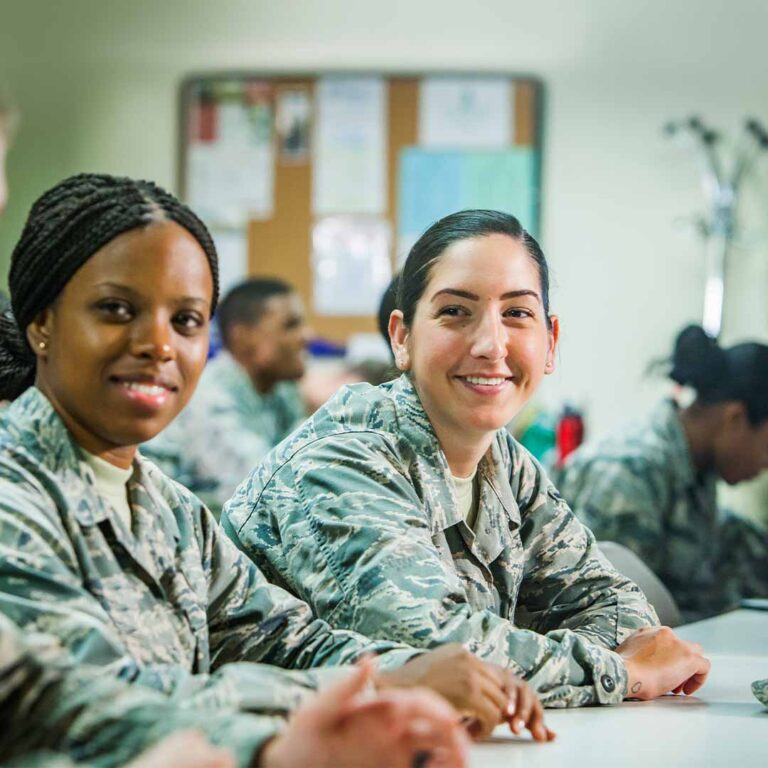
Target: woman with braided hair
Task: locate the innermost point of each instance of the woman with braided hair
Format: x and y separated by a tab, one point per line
652	486
112	284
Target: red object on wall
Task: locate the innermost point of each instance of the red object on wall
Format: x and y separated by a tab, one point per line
570	434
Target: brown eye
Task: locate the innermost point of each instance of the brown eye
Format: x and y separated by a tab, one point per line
115	309
188	321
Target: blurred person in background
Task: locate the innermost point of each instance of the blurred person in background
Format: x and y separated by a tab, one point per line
248	398
652	486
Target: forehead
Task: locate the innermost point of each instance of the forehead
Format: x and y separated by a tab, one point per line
160	254
283	305
489	265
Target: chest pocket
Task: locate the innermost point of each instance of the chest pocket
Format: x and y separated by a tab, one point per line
473	578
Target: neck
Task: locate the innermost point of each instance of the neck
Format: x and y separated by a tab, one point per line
261	383
119	455
699	433
462	452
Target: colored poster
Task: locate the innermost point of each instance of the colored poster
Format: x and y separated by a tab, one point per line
433	184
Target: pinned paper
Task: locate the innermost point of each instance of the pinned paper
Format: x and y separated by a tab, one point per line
434	184
349	169
230	162
466	112
351	264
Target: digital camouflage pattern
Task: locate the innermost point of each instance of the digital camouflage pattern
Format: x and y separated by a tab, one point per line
355	512
639	488
164	604
225	431
48	703
760	689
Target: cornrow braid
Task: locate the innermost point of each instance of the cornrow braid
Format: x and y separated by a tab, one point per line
66	226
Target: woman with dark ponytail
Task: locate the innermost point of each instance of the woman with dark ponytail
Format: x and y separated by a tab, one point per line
113	284
652	487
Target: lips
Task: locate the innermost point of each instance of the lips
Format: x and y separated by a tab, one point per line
487	381
147	393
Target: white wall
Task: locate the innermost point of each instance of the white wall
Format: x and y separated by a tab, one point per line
97	83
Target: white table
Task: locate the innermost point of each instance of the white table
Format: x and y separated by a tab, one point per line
722	725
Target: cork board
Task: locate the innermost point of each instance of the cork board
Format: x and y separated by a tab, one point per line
279	245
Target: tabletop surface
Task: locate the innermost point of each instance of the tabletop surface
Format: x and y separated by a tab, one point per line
722	725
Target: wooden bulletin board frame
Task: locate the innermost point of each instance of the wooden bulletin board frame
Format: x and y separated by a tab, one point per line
281	246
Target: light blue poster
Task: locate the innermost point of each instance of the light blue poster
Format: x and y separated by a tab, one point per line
436	183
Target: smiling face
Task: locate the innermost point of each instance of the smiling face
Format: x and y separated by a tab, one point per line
479	343
122	347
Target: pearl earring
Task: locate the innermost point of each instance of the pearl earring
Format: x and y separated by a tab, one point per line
41	345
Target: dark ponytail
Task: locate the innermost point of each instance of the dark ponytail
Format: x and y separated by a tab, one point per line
65	227
736	373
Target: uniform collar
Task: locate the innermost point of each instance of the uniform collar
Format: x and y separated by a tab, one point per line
34	425
666	425
497	499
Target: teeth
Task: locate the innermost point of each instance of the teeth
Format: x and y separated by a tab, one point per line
147	389
487	382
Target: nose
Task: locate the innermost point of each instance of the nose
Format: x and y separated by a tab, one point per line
489	341
154	340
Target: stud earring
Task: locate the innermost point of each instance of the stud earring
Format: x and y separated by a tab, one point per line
41	345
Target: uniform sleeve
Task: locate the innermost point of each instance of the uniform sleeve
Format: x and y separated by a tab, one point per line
568	582
41	589
621	501
48	704
350	537
251	619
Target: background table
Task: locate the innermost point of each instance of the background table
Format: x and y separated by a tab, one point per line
722	725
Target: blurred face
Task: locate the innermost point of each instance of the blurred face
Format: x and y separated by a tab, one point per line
126	340
740	449
273	349
479	343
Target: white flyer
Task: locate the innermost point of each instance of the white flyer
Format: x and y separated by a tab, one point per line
466	112
350	146
351	264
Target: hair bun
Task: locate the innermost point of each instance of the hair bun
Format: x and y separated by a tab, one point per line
698	361
17	362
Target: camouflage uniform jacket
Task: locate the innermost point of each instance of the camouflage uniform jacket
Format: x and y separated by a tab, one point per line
640	488
163	604
355	512
225	431
48	703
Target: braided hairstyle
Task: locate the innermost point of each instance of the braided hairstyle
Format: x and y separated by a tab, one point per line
737	373
66	226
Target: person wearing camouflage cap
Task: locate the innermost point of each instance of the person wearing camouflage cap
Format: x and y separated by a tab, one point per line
407	512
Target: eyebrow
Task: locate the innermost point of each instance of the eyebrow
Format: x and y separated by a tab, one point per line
110	286
474	297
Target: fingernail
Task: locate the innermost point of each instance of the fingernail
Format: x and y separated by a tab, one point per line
421	727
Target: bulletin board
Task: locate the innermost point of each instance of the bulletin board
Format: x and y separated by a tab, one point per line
327	180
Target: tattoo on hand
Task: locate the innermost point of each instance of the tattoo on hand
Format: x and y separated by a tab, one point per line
636	687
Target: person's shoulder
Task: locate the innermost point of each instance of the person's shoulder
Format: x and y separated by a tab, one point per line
630	455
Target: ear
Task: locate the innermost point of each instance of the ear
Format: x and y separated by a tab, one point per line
554	336
39	333
398	339
734	415
243	342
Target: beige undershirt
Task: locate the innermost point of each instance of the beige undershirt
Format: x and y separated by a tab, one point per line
467	497
112	485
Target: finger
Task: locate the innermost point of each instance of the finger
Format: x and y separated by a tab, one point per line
525	704
332	704
536	725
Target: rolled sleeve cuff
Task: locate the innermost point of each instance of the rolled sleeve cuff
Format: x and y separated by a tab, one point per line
610	678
